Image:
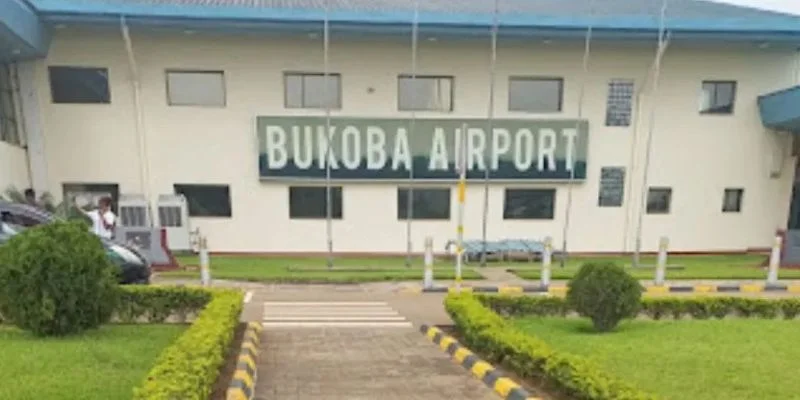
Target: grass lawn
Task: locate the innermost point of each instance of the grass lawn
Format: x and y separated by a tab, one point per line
690	359
694	267
346	270
101	364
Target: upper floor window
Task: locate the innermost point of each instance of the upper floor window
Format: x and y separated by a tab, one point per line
425	93
718	97
535	94
196	88
619	105
79	85
308	90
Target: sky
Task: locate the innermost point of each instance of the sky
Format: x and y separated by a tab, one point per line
790	6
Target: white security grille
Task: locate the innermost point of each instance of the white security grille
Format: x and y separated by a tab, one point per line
173	216
134	211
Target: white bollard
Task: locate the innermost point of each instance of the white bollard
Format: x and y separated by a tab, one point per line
774	261
547	260
661	265
427	280
205	267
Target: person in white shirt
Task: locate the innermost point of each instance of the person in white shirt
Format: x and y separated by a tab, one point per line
103	219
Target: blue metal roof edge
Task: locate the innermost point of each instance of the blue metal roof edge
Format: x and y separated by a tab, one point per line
20	23
65	9
781	109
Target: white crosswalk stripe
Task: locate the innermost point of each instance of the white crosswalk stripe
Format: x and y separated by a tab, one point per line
278	314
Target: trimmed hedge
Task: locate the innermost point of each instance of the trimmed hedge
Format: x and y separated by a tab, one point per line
529	357
188	369
155	304
655	308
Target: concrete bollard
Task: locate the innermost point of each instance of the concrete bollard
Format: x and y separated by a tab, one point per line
661	264
547	260
205	262
427	280
774	261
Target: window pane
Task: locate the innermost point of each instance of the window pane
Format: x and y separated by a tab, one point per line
538	95
620	102
293	91
426	203
79	85
612	187
206	200
732	200
308	91
87	194
9	130
196	88
309	202
718	97
529	204
659	200
425	93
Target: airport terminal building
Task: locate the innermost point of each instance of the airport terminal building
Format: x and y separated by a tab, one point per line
252	109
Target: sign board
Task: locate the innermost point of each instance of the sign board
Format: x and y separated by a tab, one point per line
386	149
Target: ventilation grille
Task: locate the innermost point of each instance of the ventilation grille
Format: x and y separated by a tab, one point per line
170	216
133	216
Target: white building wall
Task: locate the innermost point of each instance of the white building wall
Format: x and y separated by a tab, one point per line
698	156
13	167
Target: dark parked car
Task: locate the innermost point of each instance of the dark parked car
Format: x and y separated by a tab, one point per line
134	268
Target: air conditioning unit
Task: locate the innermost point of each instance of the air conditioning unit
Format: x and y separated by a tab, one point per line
134	211
173	217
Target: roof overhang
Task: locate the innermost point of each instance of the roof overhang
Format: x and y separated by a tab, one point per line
22	33
781	110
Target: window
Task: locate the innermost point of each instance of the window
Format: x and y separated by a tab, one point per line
732	200
308	91
79	85
718	97
310	202
196	88
619	103
659	200
612	187
87	195
206	200
529	204
535	95
9	128
425	93
425	203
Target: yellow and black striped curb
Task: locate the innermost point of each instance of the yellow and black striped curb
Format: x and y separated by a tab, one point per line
700	288
484	371
242	386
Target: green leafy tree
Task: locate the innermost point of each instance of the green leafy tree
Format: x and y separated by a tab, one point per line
604	293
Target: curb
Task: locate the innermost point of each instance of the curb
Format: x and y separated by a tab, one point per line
744	288
492	377
242	386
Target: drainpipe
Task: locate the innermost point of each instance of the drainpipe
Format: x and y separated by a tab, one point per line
144	161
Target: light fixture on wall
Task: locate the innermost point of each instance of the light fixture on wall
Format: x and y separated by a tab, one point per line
313	35
432	39
189	32
763	45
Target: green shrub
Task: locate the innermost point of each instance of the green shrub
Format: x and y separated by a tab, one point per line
529	357
157	303
55	279
790	308
188	369
604	293
518	306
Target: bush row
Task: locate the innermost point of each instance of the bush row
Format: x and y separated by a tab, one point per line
188	369
154	304
655	308
529	357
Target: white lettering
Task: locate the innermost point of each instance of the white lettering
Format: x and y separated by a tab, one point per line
438	157
547	148
477	148
459	150
351	147
401	151
376	154
302	147
571	135
276	147
324	147
501	144
523	149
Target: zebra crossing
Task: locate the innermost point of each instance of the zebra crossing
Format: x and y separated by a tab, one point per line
331	314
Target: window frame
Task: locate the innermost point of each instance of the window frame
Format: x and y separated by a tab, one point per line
552	215
716	83
334	215
221	72
739	200
68	188
227	213
536	78
668	190
451	78
13	136
402	193
302	75
53	100
631	102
